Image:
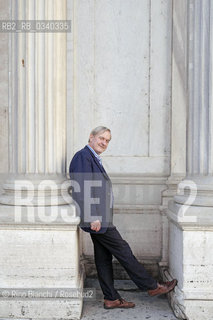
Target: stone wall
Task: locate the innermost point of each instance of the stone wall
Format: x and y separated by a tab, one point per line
119	60
118	75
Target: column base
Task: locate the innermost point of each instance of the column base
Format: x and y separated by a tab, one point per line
40	272
43	308
190	261
186	306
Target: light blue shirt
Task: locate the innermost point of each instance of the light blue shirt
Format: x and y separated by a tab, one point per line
95	154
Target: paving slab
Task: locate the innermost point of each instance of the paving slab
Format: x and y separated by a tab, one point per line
156	308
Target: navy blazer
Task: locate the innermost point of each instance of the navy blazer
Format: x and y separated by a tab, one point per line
91	190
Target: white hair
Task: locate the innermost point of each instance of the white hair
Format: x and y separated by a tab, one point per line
99	129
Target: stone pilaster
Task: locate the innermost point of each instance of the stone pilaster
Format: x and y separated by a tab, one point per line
191	211
178	117
38	225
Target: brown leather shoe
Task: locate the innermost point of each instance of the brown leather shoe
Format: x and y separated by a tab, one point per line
119	303
163	288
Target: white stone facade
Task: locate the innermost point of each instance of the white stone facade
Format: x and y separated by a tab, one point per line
190	213
144	69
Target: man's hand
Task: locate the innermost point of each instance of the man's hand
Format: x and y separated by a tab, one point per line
95	225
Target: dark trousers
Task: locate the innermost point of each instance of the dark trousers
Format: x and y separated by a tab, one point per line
110	244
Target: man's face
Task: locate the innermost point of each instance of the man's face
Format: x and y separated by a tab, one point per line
100	141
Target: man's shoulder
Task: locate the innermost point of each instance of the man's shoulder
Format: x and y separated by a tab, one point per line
84	152
82	161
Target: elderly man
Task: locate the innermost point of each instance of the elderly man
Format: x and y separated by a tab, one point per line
92	192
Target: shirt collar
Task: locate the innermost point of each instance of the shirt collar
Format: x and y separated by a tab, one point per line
95	154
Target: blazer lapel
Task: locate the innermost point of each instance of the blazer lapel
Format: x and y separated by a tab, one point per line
101	168
98	164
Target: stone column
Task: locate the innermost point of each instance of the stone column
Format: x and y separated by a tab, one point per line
191	211
178	116
39	251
